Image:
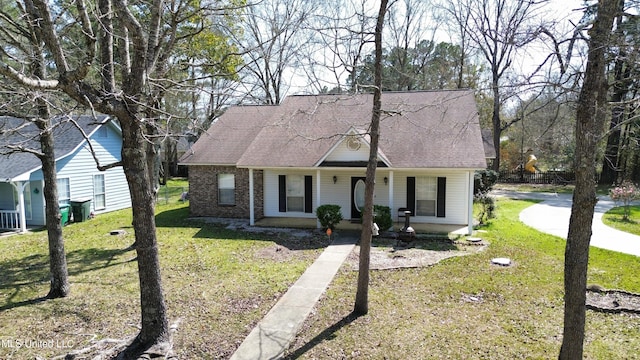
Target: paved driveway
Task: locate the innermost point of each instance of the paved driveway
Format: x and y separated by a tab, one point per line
552	215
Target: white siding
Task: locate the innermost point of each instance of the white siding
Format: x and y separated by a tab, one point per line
457	197
457	188
342	153
337	194
80	167
271	198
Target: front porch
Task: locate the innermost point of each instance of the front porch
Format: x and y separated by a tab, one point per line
311	223
10	220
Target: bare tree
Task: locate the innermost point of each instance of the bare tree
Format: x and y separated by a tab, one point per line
38	116
498	29
361	306
458	27
272	41
342	35
624	93
591	114
39	130
406	34
142	37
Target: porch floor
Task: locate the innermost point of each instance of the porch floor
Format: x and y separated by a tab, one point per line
306	223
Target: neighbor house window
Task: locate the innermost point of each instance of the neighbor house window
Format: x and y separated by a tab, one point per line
64	191
426	195
99	193
226	189
295	193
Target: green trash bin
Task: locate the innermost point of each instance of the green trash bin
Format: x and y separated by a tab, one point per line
64	214
81	209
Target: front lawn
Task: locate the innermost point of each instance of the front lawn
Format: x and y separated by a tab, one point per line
614	219
466	308
218	284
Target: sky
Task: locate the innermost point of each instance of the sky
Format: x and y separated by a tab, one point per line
564	12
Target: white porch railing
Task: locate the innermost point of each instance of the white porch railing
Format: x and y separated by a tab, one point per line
9	220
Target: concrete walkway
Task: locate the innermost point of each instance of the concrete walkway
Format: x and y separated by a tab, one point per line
552	215
274	333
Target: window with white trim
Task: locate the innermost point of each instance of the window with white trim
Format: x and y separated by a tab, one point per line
64	191
426	195
99	192
226	189
295	193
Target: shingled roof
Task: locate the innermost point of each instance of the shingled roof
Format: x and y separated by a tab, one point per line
424	129
15	131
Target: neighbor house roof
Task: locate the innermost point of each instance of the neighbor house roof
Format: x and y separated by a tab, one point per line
15	131
424	129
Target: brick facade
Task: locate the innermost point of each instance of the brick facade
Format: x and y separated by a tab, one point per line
203	192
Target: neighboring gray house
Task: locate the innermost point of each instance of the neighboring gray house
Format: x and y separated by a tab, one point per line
286	160
21	179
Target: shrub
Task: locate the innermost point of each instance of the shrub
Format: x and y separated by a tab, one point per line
625	194
487	207
329	215
382	217
483	181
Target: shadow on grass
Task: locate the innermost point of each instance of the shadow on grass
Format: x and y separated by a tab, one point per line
326	334
34	270
23	303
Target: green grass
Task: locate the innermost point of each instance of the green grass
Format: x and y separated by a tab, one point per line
218	283
428	312
614	219
172	191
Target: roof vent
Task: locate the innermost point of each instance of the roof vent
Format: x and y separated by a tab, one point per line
353	143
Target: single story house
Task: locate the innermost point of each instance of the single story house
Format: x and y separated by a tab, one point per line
21	178
283	161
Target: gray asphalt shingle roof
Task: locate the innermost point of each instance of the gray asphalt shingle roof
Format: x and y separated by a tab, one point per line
424	129
14	131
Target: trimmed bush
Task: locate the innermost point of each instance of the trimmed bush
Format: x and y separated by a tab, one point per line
488	207
483	181
382	217
329	215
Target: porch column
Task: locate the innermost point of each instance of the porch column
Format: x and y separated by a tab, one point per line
318	195
391	191
470	213
252	218
21	212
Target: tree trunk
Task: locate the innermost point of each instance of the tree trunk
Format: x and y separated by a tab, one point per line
362	294
495	120
59	273
612	156
155	327
612	164
590	115
57	256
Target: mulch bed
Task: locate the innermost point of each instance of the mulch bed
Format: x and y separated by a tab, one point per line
613	301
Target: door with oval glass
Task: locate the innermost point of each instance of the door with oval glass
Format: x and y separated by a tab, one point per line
357	198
